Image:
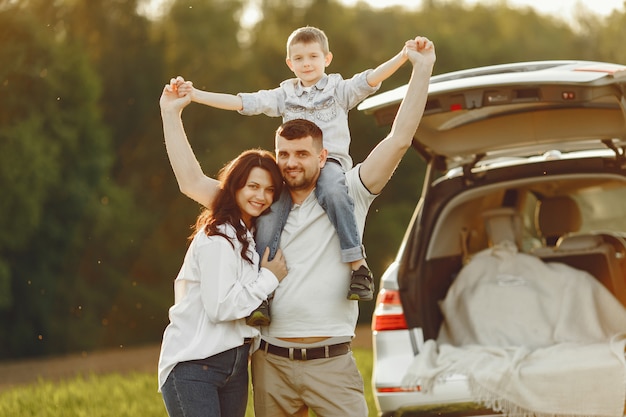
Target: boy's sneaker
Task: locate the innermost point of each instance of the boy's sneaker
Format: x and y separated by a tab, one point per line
260	316
361	285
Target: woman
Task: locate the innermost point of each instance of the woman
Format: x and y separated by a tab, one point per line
203	366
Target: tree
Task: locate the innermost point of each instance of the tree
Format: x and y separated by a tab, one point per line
59	201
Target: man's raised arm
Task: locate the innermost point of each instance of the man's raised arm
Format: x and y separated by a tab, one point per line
191	180
380	164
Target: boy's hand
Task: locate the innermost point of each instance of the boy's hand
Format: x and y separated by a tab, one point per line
185	89
171	99
420	49
181	87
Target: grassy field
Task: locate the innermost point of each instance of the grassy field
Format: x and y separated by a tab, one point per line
115	395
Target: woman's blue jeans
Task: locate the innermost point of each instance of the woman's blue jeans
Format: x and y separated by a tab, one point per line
216	386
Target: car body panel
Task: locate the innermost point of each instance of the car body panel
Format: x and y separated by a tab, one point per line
464	116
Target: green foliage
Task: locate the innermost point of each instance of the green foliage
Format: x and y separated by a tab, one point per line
604	37
93	224
115	395
25	54
60	203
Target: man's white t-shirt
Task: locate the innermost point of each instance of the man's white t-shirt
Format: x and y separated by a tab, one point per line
311	300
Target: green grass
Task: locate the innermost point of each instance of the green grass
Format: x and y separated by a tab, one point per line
115	395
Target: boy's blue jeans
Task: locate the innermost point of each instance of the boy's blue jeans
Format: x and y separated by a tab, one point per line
214	386
332	194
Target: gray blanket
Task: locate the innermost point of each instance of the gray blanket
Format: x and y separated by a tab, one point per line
533	338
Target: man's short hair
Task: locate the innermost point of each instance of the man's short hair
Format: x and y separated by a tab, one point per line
301	128
308	34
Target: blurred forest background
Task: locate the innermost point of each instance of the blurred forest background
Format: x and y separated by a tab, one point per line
92	225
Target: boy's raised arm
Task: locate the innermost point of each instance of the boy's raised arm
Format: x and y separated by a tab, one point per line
191	180
218	100
387	68
380	164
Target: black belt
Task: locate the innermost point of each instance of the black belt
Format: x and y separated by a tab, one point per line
247	340
304	354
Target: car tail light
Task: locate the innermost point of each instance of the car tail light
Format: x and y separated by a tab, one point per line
388	314
388	390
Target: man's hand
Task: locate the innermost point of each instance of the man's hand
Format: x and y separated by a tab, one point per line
420	49
380	164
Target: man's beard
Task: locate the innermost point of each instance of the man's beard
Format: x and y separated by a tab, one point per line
297	183
300	183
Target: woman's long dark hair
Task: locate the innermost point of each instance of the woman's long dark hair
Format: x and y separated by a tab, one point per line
233	177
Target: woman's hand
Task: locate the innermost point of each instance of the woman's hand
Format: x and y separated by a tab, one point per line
278	266
170	99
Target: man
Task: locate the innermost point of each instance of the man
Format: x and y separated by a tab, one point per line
304	361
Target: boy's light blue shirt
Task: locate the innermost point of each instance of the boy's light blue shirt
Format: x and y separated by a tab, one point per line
327	104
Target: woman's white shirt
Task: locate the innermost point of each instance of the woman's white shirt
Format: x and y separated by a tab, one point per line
214	291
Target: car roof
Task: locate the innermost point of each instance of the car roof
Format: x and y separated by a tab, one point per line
513	110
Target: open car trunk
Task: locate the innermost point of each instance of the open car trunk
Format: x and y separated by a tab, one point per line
532	326
527	323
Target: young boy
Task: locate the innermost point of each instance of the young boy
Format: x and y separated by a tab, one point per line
325	100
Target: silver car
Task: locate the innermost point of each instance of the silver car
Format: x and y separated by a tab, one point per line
531	153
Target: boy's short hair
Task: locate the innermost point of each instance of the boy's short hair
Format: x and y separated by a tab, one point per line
308	34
